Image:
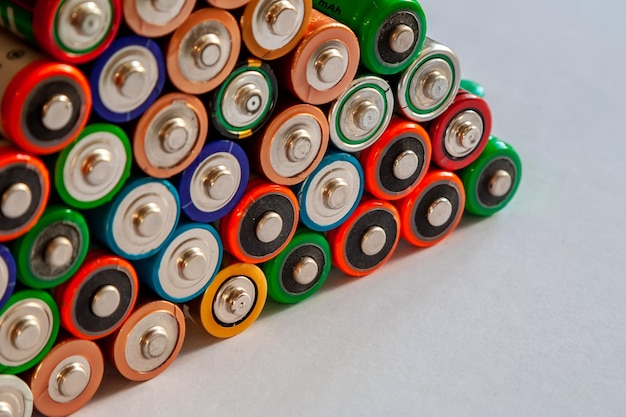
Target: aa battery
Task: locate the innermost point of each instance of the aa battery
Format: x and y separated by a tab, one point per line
43	104
157	18
7	275
227	4
16	398
74	31
203	51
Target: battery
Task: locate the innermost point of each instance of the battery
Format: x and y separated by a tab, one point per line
186	264
227	4
203	51
398	160
492	180
170	134
43	104
473	87
214	182
99	297
367	239
16	398
245	100
67	377
127	78
232	302
300	269
73	31
156	18
139	219
53	250
360	115
24	190
323	63
7	275
291	144
331	193
29	324
428	86
391	32
92	169
148	342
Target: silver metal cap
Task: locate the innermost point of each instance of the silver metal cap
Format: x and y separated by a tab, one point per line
401	38
57	112
158	12
373	240
59	252
244	99
69	379
463	134
269	226
151	341
439	212
16	398
234	300
276	22
500	183
105	301
405	165
82	25
327	65
204	51
305	271
295	145
215	181
16	200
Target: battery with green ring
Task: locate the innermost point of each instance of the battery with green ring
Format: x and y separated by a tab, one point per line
300	269
391	32
473	87
90	171
53	250
16	19
29	325
492	180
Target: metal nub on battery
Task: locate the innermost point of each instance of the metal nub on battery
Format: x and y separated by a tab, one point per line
170	134
7	275
16	398
127	78
428	86
203	51
360	115
156	18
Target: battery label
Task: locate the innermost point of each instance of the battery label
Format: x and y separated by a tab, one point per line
17	19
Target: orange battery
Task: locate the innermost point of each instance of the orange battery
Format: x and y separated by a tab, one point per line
156	18
227	4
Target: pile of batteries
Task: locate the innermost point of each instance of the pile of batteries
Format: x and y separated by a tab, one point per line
236	192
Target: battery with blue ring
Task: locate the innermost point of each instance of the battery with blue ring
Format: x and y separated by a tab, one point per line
186	264
214	182
7	275
138	220
331	193
127	78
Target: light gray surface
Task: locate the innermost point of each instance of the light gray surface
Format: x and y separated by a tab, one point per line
521	314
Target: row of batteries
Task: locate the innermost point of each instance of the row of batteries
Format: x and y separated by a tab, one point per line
237	192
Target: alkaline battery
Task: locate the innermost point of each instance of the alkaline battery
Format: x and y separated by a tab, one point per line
127	78
156	18
139	219
170	134
92	169
185	265
16	398
360	115
292	143
214	182
203	51
74	31
232	302
43	104
99	297
330	194
53	250
460	134
367	239
398	160
428	86
492	180
300	269
24	190
433	210
323	63
29	324
245	100
261	224
67	377
473	87
148	342
7	275
391	32
272	28
227	4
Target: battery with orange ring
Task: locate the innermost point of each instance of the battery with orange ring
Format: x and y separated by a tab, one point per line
232	302
99	297
261	224
154	19
433	210
24	190
291	144
7	275
459	135
227	4
170	134
43	104
398	160
203	50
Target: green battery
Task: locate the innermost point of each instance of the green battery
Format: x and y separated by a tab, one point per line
90	171
29	325
17	19
473	87
53	250
391	32
300	269
491	181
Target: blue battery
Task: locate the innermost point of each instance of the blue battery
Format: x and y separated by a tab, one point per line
7	275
